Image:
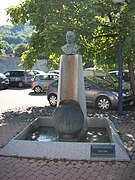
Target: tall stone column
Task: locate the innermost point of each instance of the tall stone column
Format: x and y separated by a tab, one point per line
71	82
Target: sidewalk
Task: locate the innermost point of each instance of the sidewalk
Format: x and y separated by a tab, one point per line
13	168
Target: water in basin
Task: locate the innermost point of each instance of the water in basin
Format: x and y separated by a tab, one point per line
48	134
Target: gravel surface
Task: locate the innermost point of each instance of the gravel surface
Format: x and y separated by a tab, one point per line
30	113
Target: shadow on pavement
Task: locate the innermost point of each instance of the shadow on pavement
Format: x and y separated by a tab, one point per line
37	94
18	88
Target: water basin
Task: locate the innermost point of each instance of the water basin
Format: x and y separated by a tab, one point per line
48	134
39	140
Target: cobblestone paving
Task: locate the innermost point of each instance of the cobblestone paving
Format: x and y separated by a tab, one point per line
13	168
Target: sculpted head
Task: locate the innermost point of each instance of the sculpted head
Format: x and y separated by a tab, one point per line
71	47
70	37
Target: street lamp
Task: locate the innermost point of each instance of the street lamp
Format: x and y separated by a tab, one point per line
120	109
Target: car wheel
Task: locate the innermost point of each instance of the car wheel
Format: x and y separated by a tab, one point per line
37	89
103	103
53	100
20	84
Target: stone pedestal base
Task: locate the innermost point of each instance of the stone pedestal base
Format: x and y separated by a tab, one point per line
71	82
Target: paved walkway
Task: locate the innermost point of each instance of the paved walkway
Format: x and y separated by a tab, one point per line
13	168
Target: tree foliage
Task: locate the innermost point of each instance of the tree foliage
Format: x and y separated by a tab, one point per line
19	49
95	23
52	19
2	52
12	36
105	43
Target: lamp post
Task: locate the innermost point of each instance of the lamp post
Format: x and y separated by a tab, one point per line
120	109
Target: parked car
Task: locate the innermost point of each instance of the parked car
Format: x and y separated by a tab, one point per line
125	77
4	82
91	71
114	80
54	71
99	93
38	72
40	82
125	74
20	78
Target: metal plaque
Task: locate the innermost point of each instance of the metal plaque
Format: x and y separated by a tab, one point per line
106	151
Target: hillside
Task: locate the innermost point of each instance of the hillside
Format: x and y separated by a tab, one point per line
13	35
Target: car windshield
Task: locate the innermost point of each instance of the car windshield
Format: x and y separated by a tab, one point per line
102	84
111	78
48	77
96	82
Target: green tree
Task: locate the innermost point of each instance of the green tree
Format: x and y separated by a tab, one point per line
95	23
6	46
52	19
19	49
2	52
1	47
105	43
14	35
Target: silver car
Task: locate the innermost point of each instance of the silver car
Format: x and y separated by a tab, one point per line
40	82
99	93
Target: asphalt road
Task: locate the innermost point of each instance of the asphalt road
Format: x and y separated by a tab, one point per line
16	97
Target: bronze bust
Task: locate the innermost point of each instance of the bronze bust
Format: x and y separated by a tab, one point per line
71	47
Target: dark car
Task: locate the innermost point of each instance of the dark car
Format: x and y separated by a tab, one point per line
99	93
4	82
20	78
125	74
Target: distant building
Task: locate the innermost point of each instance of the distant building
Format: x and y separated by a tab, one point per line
11	63
10	53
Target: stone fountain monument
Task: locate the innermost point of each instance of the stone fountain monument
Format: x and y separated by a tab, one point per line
70	115
69	134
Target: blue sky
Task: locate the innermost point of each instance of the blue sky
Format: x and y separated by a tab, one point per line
3	5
